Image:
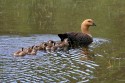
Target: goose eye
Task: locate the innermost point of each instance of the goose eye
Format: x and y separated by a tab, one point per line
89	21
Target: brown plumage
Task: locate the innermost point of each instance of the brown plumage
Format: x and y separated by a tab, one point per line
82	39
29	50
33	50
64	45
42	46
50	46
20	53
53	46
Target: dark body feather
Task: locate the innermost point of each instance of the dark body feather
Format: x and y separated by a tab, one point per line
77	39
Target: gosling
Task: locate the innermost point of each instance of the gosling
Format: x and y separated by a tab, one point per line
42	46
33	50
50	45
64	45
20	53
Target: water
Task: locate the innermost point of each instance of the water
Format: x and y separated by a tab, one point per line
44	67
27	22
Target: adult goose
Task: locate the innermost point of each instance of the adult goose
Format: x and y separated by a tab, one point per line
82	39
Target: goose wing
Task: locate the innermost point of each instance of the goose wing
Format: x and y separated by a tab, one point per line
76	39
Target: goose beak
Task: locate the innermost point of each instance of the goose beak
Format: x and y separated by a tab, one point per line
94	24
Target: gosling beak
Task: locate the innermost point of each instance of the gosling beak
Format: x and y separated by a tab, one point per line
94	24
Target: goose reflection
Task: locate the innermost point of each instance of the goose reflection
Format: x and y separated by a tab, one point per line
87	55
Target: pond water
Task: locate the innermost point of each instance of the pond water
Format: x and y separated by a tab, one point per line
28	22
44	67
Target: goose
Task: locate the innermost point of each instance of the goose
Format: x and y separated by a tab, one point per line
80	39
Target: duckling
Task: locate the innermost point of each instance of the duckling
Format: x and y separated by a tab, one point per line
20	53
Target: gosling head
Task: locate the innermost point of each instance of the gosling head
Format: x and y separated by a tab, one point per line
50	43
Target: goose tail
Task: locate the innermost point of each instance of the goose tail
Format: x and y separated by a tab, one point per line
63	36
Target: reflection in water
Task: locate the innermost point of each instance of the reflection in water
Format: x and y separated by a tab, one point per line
44	67
89	56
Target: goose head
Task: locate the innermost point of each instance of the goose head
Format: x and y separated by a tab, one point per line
85	26
88	22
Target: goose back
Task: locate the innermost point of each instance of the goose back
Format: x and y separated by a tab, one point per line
77	39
